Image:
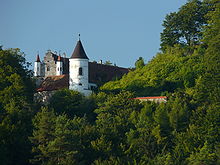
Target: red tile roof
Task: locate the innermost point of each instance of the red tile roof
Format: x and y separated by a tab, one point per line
59	58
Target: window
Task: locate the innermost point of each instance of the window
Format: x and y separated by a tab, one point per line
48	68
80	71
93	87
80	84
58	69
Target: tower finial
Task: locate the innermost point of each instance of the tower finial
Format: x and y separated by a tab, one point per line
79	36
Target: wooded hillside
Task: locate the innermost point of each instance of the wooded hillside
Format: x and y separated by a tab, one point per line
111	128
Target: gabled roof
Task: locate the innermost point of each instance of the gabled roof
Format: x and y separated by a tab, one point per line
100	73
79	51
52	83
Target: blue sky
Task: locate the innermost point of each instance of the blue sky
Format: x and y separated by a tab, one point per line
117	30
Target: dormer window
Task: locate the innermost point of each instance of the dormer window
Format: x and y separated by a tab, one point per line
80	71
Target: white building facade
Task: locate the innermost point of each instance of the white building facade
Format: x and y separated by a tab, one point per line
37	67
79	70
59	67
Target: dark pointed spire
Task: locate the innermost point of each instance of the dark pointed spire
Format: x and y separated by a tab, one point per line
38	58
79	51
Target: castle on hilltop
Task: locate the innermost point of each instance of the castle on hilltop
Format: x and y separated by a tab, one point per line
76	73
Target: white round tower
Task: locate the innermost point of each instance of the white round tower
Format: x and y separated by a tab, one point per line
59	66
79	70
37	67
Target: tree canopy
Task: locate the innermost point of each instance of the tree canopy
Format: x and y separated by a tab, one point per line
110	127
185	26
16	94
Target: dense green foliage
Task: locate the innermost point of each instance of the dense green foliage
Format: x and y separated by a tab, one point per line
185	26
139	63
111	128
72	103
16	93
165	73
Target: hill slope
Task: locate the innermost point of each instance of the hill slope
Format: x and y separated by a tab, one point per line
166	72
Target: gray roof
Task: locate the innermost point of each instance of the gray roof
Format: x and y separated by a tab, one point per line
79	51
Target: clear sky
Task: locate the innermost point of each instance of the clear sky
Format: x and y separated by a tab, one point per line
117	30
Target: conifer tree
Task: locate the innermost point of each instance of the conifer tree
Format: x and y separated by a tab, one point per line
43	134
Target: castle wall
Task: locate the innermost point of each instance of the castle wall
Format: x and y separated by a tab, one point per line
50	64
42	69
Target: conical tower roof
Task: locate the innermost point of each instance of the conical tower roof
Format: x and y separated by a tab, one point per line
79	51
38	58
59	58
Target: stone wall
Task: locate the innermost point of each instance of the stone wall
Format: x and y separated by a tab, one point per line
50	64
42	69
43	97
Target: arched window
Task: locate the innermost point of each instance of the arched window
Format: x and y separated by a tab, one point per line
80	71
48	68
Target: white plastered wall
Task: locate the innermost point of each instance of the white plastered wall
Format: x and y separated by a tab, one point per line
76	81
59	68
37	68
